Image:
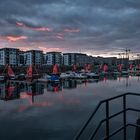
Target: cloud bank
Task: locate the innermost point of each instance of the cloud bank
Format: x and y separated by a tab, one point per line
92	26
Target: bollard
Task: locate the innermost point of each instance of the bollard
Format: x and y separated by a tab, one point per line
137	134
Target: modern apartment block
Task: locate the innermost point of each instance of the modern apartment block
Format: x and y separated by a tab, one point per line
15	57
33	57
69	59
21	58
51	58
77	58
9	56
106	60
82	59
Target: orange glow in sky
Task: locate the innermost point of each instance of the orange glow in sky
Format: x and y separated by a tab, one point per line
16	38
42	29
44	49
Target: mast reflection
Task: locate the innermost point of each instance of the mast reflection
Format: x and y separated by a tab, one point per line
31	90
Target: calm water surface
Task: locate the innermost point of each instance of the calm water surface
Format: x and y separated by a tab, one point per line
56	112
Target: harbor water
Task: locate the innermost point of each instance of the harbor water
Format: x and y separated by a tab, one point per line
41	111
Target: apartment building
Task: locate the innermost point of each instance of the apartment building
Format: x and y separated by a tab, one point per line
33	57
77	58
9	56
51	58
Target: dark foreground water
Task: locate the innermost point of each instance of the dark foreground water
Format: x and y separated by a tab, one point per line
56	112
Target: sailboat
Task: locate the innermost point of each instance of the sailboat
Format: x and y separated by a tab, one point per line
11	74
8	73
74	67
90	75
30	75
2	78
117	70
105	70
55	76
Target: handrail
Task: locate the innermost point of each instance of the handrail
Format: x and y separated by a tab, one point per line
106	101
87	122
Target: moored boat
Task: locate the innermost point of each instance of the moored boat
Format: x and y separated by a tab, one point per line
55	77
32	73
92	75
80	76
21	76
125	73
116	73
2	78
67	75
64	75
11	74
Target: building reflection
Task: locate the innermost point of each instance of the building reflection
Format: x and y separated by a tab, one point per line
31	90
34	89
54	87
9	91
69	84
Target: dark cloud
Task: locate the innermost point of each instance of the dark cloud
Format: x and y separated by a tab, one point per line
102	25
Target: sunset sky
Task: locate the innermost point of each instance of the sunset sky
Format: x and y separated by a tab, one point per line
96	27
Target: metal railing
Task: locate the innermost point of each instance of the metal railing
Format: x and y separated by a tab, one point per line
107	119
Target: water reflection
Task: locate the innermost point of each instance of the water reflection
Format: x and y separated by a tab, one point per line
69	84
11	91
108	77
67	110
54	87
34	89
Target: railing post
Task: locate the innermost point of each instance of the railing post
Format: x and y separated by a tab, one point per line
124	115
107	120
137	133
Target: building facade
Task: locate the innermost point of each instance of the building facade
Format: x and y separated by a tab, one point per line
77	58
15	57
21	58
110	60
33	57
9	56
52	58
82	59
69	59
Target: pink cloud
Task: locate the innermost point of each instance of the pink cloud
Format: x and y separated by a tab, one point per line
72	30
16	38
25	48
42	29
46	49
60	36
21	24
